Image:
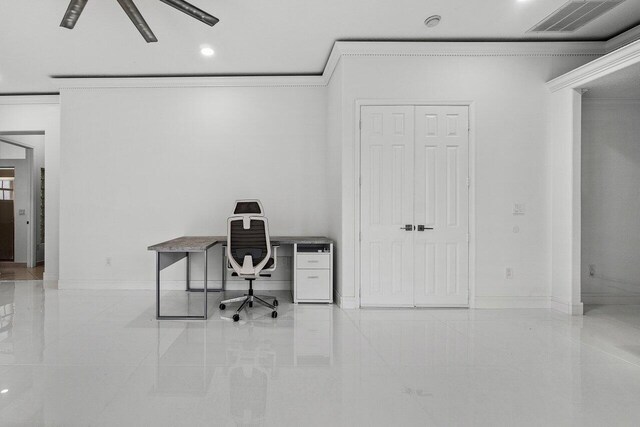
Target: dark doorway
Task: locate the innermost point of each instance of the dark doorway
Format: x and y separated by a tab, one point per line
7	220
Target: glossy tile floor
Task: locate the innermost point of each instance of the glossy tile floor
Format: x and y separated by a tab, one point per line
78	358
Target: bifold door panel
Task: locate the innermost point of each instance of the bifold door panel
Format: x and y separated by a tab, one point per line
414	206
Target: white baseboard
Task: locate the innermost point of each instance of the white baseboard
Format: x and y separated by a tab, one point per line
171	285
566	307
611	299
347	303
511	302
49	276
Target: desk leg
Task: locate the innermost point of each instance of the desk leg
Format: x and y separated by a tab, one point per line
224	269
205	293
188	273
157	285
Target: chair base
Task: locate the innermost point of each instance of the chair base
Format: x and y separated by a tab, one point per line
247	301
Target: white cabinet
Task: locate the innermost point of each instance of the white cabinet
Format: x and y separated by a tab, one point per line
312	273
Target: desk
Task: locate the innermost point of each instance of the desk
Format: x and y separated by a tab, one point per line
172	251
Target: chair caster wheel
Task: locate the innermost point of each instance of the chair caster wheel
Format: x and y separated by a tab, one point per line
222	306
236	317
274	314
250	304
275	302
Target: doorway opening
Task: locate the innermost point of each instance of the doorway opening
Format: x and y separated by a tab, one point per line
21	218
610	168
7	217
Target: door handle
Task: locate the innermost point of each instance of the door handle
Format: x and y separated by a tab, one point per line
422	228
408	227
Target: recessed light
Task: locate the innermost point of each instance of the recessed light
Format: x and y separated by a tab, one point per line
207	51
432	21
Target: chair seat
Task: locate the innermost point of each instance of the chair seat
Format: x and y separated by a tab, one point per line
267	265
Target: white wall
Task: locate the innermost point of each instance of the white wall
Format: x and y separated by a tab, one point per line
140	166
334	170
40	113
611	201
509	129
10	151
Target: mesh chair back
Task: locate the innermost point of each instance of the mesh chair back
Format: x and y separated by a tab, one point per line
244	207
251	241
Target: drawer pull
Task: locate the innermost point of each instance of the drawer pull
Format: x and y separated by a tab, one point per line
313	261
313	277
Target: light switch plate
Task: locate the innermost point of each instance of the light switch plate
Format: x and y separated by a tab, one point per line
22	212
519	208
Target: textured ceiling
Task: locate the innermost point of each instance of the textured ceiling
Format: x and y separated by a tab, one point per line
253	36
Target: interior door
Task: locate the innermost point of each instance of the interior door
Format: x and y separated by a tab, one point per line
386	249
441	248
6	230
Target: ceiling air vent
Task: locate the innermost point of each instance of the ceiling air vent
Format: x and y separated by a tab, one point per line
574	15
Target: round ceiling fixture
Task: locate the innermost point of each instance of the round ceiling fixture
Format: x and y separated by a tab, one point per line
432	21
207	51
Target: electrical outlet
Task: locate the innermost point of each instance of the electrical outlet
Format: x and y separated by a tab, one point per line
108	262
592	270
508	273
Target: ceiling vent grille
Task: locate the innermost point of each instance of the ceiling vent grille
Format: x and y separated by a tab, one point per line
574	15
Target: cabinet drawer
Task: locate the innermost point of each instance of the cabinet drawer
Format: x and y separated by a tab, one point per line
313	261
313	285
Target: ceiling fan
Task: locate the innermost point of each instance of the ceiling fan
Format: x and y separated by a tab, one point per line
76	7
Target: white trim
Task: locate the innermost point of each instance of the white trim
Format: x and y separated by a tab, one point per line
404	48
566	307
623	39
472	187
182	82
347	303
48	277
29	99
484	302
614	61
340	49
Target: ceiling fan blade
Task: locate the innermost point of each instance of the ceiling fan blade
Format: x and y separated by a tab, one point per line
134	14
73	13
193	11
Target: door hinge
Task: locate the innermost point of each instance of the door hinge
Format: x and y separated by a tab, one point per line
360	181
360	234
468	237
468	182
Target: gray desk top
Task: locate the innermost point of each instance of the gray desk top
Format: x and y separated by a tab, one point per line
202	243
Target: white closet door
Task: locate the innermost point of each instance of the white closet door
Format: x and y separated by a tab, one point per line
441	252
386	261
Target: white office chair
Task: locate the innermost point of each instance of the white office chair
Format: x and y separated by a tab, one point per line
249	252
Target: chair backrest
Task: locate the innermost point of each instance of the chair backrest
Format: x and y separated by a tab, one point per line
248	206
248	243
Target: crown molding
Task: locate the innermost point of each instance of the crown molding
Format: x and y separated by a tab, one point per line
339	50
614	61
71	83
29	99
409	48
623	39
